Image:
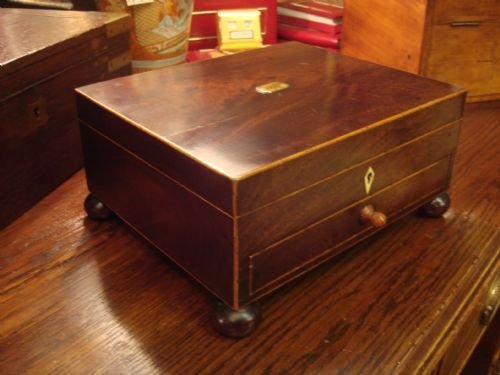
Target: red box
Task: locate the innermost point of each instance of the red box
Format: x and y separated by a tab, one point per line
204	22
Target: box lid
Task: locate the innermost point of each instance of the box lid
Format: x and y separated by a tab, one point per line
30	36
211	113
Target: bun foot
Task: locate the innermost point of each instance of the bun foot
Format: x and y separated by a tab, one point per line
236	323
437	207
96	210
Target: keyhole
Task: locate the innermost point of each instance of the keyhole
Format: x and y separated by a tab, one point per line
369	177
37	113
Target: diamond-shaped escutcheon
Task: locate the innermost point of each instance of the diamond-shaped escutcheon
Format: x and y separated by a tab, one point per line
369	178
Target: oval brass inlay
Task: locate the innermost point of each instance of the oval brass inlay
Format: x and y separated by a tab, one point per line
271	87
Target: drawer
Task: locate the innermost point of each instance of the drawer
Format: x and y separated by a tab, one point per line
481	311
465	10
467	56
309	205
291	256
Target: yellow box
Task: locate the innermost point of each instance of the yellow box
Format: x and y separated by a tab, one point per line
239	29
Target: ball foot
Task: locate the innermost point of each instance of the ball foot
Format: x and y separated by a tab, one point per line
436	207
96	210
236	323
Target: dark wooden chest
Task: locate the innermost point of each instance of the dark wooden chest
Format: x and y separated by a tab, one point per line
247	190
44	55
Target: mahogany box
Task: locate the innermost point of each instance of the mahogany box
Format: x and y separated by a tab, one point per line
246	184
44	55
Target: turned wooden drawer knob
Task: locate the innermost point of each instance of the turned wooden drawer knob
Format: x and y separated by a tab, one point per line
375	218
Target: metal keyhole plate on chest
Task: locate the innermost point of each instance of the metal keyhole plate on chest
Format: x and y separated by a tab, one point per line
369	178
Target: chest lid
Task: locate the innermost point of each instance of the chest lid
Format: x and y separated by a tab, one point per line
37	44
219	115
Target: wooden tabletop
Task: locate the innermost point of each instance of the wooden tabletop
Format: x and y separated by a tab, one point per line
80	297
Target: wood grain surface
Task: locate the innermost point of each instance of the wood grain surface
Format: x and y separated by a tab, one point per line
307	206
42	36
190	231
463	10
449	40
211	111
80	297
478	71
383	30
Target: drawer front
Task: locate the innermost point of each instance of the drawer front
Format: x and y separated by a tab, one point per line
293	255
338	191
465	10
466	55
480	312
